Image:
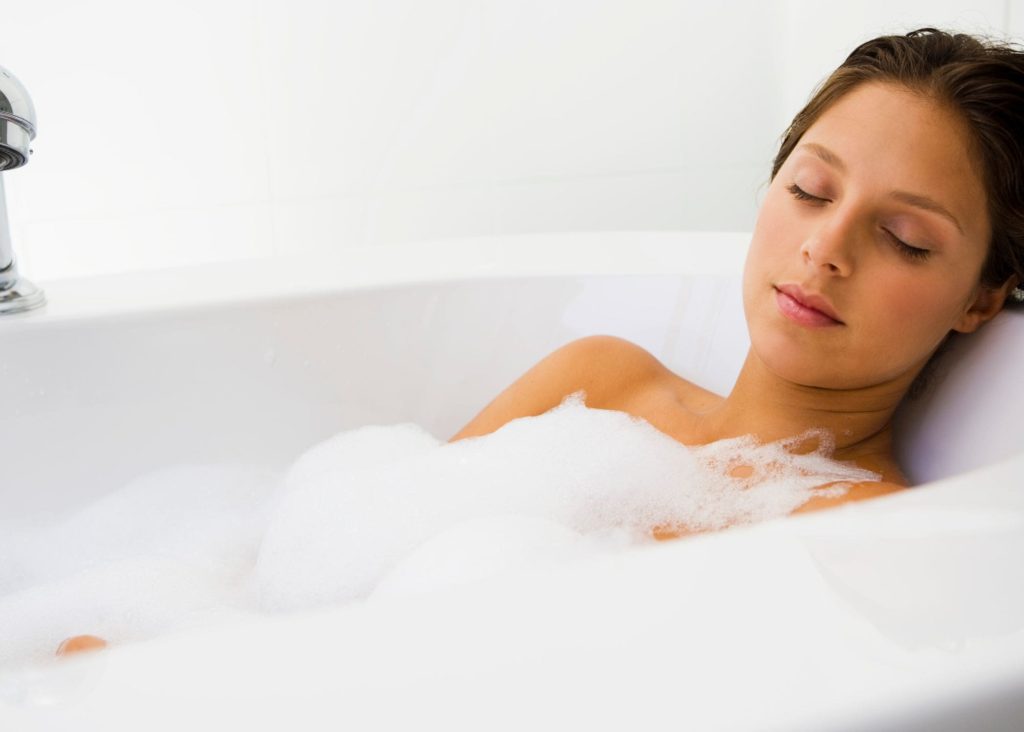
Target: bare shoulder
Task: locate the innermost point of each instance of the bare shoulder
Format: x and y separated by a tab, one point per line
604	367
610	365
857	492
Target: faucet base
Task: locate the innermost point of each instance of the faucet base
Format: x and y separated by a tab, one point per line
21	296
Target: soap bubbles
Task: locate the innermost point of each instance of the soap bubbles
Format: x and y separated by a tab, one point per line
382	511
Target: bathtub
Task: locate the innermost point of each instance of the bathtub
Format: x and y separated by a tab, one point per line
905	612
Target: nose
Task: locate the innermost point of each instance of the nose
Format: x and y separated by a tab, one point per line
829	246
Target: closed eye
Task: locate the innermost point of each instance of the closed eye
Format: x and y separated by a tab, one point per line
906	250
803	195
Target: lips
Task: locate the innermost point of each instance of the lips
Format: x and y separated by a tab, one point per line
805	308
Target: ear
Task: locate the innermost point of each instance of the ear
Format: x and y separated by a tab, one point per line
988	301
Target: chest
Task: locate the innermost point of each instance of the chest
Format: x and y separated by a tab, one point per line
675	407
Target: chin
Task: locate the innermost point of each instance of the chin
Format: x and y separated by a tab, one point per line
791	362
803	375
828	371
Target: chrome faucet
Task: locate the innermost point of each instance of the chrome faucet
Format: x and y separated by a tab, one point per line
17	128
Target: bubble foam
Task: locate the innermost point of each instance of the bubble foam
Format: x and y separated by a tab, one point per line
383	511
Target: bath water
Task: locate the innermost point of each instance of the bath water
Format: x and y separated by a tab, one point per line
380	511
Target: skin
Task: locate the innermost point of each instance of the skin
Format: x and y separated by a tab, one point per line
80	644
895	308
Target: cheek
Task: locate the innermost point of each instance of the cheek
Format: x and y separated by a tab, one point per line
917	312
773	223
904	300
775	241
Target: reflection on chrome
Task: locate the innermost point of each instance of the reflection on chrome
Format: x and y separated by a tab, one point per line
17	129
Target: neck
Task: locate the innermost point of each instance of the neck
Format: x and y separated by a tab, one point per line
858	419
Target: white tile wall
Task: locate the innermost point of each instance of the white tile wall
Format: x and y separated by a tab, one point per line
223	129
1015	19
150	150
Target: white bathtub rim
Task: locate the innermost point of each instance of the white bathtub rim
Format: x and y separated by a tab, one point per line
358	268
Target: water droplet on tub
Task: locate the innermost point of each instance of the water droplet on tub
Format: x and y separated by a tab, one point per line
270	357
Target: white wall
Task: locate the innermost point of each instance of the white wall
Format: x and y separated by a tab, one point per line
200	130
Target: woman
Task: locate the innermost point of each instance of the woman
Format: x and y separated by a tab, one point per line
895	218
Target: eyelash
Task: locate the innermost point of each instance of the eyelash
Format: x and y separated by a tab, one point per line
902	246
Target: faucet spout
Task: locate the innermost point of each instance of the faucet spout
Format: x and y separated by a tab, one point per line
17	129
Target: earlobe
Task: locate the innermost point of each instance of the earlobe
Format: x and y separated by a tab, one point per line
987	303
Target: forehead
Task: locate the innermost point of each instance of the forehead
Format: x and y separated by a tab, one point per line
891	138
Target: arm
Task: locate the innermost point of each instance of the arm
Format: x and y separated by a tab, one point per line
857	492
604	367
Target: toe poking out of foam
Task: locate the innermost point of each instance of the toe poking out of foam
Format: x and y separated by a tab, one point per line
80	644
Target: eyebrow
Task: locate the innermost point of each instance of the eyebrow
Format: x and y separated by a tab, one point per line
912	199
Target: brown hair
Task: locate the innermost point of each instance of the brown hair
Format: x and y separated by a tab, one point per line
980	79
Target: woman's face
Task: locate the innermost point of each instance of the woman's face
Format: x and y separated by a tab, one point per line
858	285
